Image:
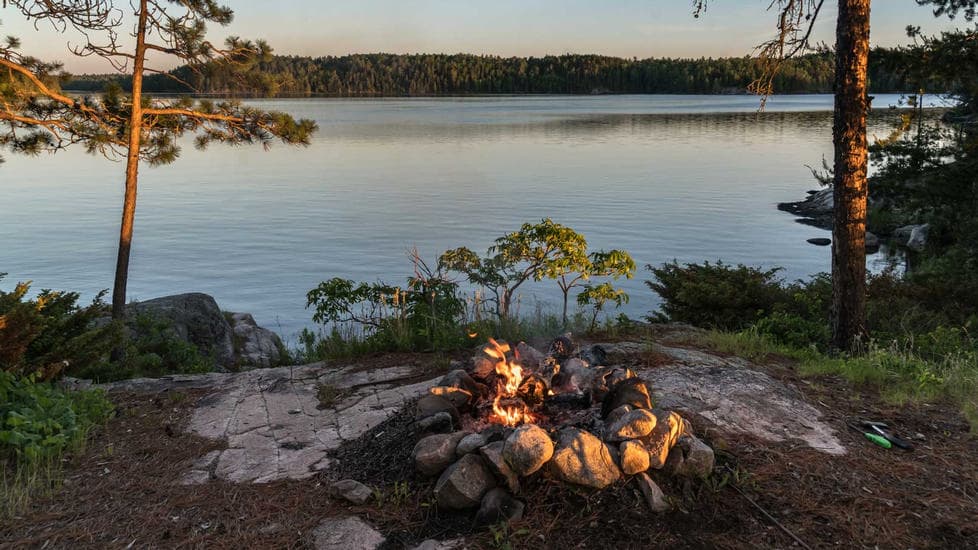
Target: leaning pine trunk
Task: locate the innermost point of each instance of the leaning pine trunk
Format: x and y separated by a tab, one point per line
850	194
132	173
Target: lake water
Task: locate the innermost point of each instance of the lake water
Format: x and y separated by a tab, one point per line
691	178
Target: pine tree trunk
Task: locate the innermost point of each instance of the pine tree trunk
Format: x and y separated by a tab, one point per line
850	193
132	174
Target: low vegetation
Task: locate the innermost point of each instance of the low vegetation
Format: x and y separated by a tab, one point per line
923	348
431	312
40	425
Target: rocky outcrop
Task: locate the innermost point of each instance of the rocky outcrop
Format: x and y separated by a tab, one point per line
254	346
913	237
815	210
193	317
233	341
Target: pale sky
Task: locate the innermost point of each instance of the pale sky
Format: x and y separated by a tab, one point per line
624	28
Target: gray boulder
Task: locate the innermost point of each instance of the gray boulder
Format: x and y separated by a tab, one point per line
470	444
913	237
493	453
872	241
583	459
431	405
255	347
346	533
498	506
456	396
529	356
195	318
527	449
435	453
631	425
668	429
654	496
351	490
464	483
634	457
690	457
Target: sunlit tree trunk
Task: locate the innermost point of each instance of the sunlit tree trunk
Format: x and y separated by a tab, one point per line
850	194
132	170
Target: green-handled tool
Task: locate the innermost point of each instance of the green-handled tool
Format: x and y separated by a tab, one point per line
879	440
878	433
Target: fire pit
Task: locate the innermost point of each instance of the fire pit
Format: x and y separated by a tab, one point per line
515	412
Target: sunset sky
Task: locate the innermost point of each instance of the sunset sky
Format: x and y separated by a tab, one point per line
626	28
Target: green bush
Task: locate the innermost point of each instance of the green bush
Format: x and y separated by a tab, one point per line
51	334
152	350
426	314
717	295
793	330
38	421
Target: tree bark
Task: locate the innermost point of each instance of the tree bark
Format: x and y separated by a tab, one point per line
850	192
132	171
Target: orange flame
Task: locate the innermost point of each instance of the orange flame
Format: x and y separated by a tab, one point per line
508	414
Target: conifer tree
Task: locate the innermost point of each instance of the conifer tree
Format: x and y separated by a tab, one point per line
36	116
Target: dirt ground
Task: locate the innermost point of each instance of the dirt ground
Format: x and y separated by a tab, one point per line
123	491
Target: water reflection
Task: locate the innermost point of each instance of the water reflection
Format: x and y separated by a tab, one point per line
258	229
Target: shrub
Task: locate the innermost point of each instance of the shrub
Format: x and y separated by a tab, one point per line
45	336
426	314
717	295
793	330
38	421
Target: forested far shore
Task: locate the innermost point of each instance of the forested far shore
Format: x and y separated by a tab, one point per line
460	74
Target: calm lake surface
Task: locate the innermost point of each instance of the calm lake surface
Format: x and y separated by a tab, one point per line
687	177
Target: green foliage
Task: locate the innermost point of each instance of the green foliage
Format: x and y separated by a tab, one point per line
582	269
426	314
51	334
38	424
39	421
717	295
438	74
153	349
598	296
39	118
534	252
545	250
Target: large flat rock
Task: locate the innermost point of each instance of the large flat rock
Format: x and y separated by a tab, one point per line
276	428
732	394
272	419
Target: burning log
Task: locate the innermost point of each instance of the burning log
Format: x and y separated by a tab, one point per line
533	390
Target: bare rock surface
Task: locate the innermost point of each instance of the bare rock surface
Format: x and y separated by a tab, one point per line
346	533
729	393
272	421
276	428
255	346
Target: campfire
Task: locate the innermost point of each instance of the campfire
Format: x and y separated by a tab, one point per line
515	413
